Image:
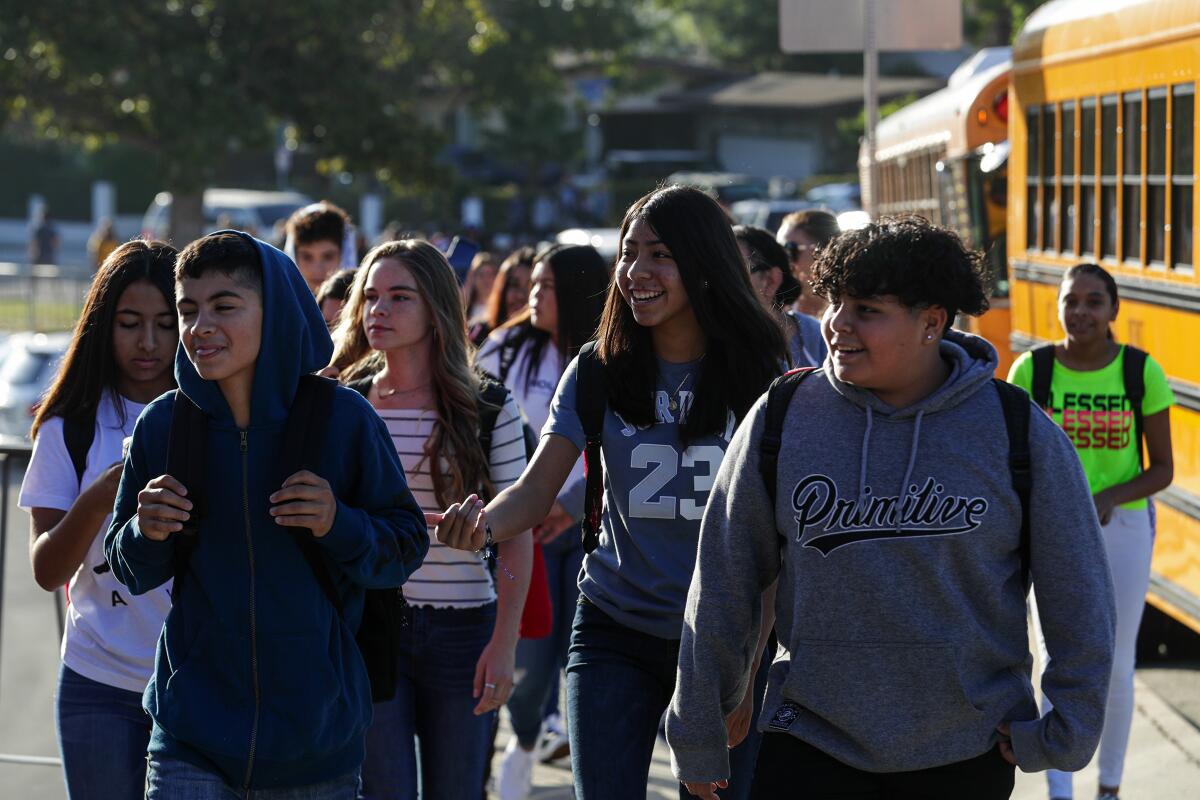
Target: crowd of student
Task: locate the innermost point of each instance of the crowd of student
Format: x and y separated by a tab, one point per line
285	588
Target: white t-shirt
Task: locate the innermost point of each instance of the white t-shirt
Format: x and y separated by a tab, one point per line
450	578
535	395
110	635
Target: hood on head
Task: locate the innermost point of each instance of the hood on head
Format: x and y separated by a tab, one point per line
295	342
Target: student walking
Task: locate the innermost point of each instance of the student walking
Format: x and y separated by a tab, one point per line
509	295
777	289
882	497
119	359
530	353
402	344
683	350
1113	401
802	234
259	684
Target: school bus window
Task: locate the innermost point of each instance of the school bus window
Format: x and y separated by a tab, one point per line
1156	174
1066	143
1087	177
1182	176
1049	199
1131	138
1033	211
1108	176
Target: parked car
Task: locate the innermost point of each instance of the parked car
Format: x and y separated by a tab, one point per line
26	370
766	214
245	209
607	241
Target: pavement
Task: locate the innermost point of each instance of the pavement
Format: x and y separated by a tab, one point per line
1163	761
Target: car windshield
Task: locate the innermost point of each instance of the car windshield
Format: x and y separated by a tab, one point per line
22	366
270	214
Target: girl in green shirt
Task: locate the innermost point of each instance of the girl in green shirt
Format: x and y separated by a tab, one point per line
1088	398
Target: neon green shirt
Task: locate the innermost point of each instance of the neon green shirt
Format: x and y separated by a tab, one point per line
1094	411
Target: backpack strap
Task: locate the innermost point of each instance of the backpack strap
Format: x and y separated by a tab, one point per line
779	398
1133	371
187	451
492	397
1015	404
78	434
591	401
508	355
303	444
1043	372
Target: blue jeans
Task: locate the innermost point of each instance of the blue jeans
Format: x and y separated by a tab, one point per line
433	711
102	735
619	682
539	660
172	779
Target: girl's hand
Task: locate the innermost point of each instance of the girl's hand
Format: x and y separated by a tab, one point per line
494	675
102	492
738	721
705	790
163	507
1104	506
557	521
461	526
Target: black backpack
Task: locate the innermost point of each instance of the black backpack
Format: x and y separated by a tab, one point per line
1133	373
303	443
78	434
1013	401
591	400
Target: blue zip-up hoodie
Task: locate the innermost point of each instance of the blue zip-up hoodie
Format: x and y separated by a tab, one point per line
257	676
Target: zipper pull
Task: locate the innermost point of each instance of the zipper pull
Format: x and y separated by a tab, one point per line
243	434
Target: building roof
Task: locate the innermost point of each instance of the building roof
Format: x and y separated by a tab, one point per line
777	90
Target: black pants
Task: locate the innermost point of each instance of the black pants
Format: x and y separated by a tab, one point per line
789	768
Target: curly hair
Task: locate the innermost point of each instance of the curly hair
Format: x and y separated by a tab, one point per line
919	263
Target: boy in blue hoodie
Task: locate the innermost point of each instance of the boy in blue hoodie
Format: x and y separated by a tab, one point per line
258	682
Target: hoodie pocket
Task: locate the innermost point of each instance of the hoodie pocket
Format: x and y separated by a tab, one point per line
890	700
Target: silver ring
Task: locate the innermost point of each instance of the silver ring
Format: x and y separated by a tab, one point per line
490	685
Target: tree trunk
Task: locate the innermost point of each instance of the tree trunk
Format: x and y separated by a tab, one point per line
187	218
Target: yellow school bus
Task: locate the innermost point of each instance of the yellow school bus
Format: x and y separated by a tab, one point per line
943	157
1103	169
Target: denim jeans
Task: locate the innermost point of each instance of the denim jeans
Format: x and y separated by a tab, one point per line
172	779
789	767
539	660
619	682
426	741
102	735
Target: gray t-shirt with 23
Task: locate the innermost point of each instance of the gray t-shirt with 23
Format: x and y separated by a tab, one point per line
654	495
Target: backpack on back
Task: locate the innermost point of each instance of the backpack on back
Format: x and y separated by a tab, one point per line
1133	374
591	401
1013	401
303	443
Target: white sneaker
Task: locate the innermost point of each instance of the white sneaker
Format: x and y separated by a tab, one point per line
552	743
514	776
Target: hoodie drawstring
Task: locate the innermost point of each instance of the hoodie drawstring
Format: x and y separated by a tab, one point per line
866	451
912	460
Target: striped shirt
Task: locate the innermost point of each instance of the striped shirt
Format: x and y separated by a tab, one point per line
451	578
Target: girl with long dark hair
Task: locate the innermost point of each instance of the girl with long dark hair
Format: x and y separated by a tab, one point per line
119	359
685	349
1088	394
402	343
530	353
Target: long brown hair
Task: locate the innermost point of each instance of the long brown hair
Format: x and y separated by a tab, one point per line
457	462
497	313
89	367
745	346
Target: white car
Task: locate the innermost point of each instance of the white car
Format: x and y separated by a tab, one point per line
26	369
245	209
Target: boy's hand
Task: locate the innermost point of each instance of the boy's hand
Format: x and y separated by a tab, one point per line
461	526
162	508
704	789
305	501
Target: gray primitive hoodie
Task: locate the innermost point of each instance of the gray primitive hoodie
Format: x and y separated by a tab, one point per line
900	611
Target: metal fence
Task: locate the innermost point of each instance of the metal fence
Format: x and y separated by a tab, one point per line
41	297
14	455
